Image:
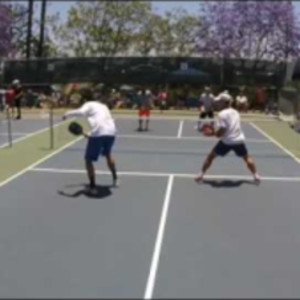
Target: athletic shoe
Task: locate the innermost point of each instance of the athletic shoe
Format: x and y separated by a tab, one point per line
257	179
199	178
93	191
116	183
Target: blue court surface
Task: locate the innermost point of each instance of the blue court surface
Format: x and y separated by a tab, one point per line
160	234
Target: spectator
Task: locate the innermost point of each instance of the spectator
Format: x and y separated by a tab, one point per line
30	99
2	99
18	96
260	98
162	98
242	102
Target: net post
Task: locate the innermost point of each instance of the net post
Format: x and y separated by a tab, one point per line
9	131
51	124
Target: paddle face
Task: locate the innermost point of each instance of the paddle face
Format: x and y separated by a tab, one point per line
207	130
75	128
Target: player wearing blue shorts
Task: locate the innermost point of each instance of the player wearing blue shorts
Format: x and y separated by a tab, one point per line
228	129
100	140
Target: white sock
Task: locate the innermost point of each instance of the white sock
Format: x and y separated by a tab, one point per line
256	176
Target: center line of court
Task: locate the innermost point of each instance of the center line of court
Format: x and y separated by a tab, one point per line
180	128
159	241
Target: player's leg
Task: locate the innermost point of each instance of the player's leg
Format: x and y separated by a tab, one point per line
211	116
18	106
91	173
108	142
252	167
242	151
206	165
140	127
202	116
220	149
92	152
12	110
147	120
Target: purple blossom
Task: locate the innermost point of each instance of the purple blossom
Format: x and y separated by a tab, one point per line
249	29
5	30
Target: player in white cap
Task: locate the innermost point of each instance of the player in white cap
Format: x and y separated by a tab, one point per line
228	129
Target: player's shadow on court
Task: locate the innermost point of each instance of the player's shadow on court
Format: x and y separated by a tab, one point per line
103	191
227	183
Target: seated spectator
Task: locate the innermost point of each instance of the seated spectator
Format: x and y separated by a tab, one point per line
242	102
162	98
296	125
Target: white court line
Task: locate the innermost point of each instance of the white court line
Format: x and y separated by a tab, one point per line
180	129
195	138
276	143
38	162
179	175
247	118
14	133
28	135
159	241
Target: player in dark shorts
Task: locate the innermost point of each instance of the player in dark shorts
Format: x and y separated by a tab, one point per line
18	96
206	107
145	104
100	140
228	129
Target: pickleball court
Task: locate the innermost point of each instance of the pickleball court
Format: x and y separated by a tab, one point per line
159	235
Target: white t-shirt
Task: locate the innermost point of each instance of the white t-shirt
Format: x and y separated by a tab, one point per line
98	116
241	99
207	100
229	119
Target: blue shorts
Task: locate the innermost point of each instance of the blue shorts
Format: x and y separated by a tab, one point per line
97	146
221	149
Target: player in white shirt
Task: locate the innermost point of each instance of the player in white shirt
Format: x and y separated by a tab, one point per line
241	102
206	107
100	140
228	129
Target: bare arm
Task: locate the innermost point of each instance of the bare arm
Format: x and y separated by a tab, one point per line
81	112
219	132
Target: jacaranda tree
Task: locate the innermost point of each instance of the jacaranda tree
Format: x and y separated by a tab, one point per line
5	30
249	29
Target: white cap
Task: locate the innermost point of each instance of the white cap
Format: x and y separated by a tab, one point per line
16	81
224	96
148	92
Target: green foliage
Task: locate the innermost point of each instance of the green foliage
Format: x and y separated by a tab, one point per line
109	28
20	17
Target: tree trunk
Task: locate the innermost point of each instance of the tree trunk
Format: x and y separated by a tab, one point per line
29	28
42	29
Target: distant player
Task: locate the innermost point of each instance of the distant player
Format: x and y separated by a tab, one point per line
9	99
100	140
145	105
206	107
241	102
18	96
228	129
